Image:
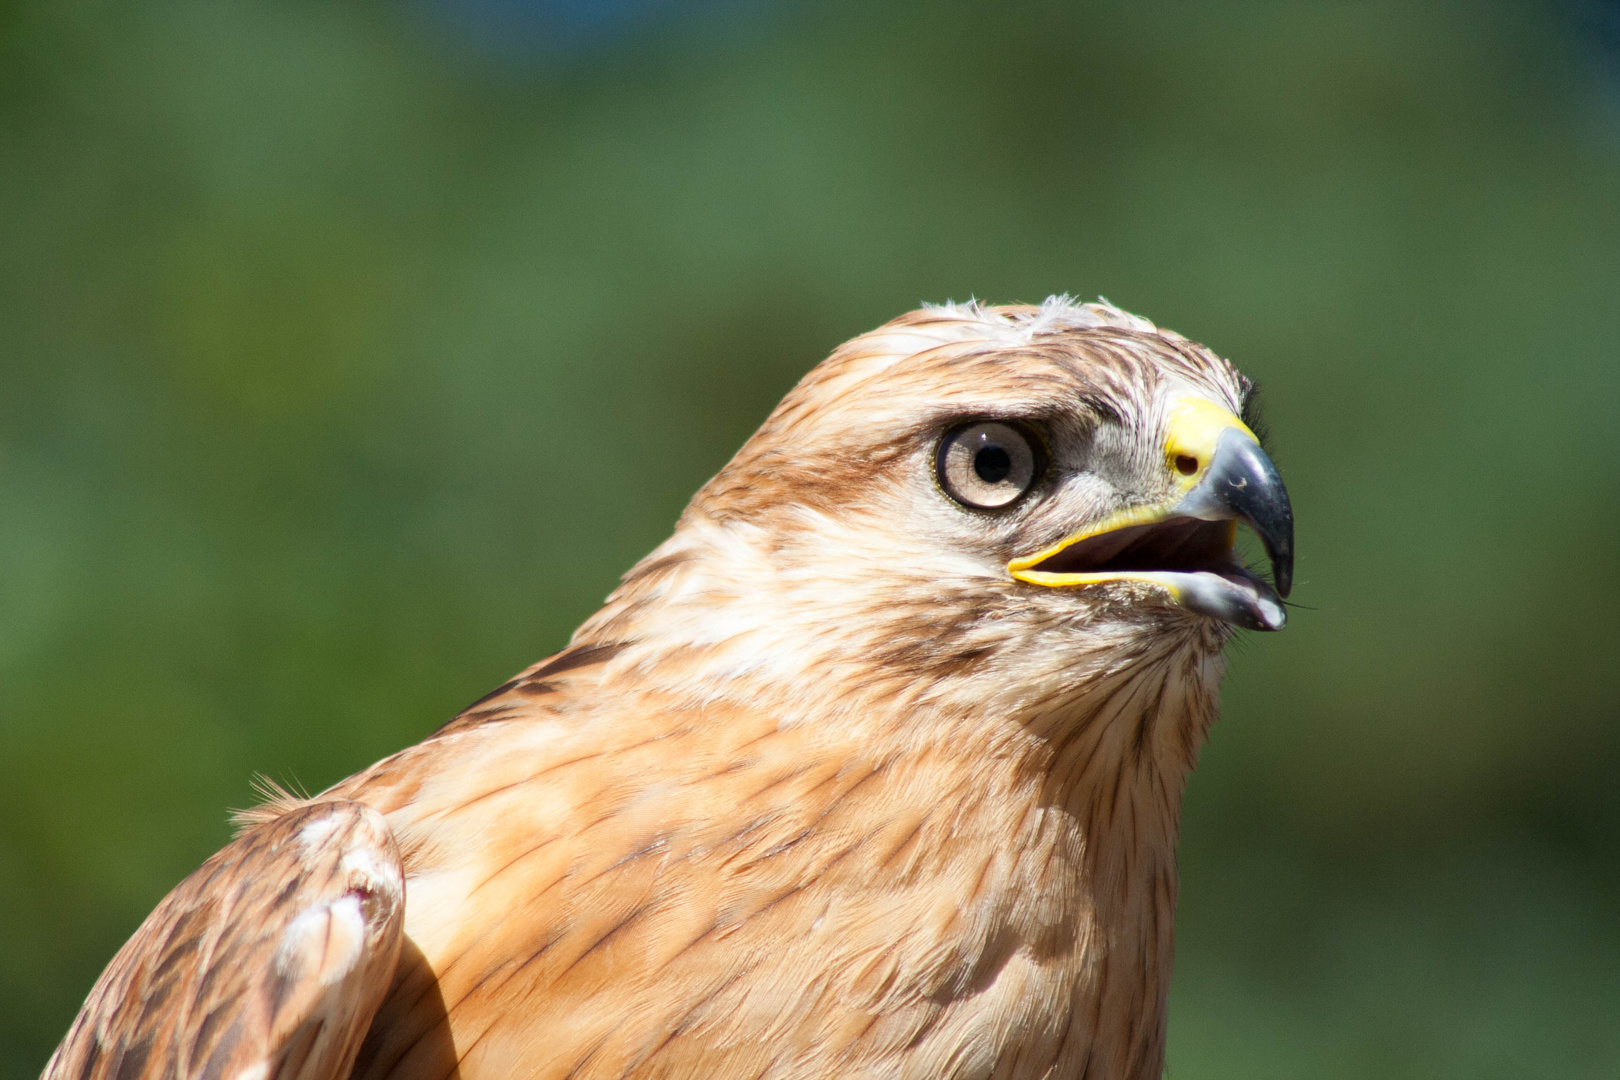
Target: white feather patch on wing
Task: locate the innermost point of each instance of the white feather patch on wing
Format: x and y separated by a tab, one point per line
313	835
326	941
368	870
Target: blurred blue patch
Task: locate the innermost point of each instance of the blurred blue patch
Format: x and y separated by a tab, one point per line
1600	23
1597	26
542	28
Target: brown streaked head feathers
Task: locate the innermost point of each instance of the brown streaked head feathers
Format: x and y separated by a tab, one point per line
874	767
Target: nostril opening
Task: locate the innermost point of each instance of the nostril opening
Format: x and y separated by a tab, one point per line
1186	464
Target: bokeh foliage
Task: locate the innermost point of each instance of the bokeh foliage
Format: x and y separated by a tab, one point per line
346	361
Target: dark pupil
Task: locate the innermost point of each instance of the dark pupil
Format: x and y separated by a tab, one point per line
992	464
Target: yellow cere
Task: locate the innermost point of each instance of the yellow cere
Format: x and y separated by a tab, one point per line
1195	426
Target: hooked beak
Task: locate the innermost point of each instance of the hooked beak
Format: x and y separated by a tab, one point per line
1184	545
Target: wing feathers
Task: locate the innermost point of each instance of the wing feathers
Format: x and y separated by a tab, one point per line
267	963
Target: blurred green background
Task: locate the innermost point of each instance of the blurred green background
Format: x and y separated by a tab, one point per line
351	350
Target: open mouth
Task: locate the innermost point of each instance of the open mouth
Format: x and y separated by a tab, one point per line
1193	560
1181	544
1182	547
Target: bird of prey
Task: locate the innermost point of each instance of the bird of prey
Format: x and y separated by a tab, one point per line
872	769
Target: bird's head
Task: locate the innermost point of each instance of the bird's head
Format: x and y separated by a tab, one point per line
1020	487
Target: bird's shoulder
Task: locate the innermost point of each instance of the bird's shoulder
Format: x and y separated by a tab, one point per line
269	960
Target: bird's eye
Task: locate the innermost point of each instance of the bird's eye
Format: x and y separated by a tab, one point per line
987	465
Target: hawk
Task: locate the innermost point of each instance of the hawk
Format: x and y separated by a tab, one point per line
872	769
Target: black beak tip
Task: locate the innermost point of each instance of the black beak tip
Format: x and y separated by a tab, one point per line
1282	572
